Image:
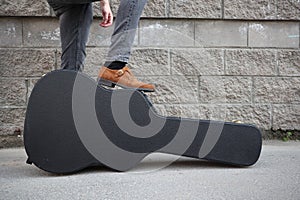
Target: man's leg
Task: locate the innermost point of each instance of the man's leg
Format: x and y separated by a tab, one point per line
75	21
126	24
115	72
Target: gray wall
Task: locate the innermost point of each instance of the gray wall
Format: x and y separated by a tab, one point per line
213	59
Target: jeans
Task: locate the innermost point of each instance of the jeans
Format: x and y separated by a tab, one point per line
75	18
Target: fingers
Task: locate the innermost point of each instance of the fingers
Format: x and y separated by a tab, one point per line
107	19
110	20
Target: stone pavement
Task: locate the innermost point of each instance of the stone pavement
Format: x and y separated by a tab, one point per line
275	176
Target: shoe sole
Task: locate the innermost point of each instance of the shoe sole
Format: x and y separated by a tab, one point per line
113	84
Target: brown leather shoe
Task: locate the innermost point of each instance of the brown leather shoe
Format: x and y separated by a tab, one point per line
123	78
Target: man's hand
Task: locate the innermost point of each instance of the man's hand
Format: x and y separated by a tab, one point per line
106	14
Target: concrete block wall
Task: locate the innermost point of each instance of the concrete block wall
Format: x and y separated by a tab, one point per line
213	59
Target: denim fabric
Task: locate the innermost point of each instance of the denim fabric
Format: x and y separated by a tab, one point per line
75	21
126	24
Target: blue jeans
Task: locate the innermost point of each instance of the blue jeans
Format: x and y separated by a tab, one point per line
75	19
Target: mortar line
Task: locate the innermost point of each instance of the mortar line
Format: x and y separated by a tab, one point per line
222	9
224	62
248	33
12	107
169	62
272	116
173	18
213	47
22	33
252	90
55	59
166	8
181	75
276	8
219	75
139	34
277	66
163	47
194	23
198	88
27	84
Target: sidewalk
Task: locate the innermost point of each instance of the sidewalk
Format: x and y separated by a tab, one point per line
275	176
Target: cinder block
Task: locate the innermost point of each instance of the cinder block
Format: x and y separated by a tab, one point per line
13	132
274	34
288	9
58	59
145	62
173	89
24	8
221	33
250	9
212	112
289	63
259	114
250	62
142	61
45	32
94	60
178	110
30	86
196	9
26	62
41	32
12	117
225	89
197	61
286	117
97	10
166	33
153	8
276	90
99	36
11	121
114	5
10	32
11	141
13	92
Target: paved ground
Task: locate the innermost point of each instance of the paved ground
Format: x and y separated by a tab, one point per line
275	176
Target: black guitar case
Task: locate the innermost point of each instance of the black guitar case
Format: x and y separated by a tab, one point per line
73	123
